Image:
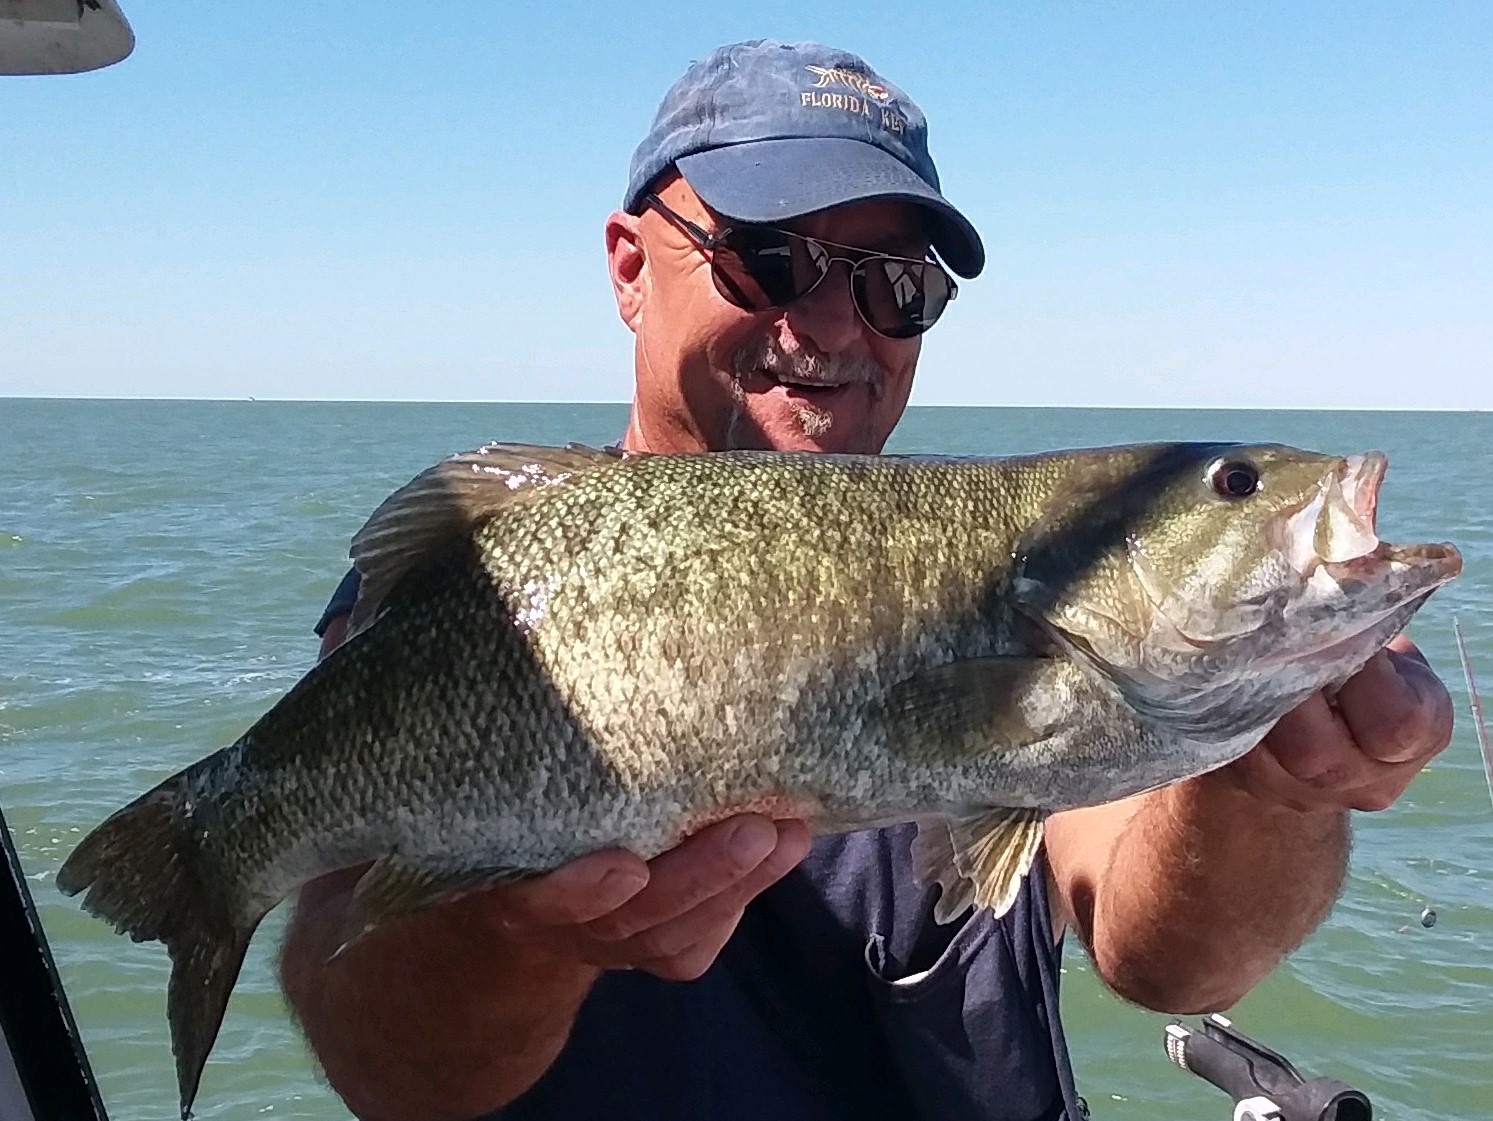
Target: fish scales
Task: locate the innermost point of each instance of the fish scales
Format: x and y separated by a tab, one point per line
561	650
719	628
657	625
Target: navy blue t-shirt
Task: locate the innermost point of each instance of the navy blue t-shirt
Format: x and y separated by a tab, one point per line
837	998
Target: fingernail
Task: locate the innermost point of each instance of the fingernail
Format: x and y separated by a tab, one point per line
751	841
1408	671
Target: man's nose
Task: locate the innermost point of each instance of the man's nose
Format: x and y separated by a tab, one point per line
826	318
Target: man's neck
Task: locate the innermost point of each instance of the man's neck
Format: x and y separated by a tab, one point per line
641	438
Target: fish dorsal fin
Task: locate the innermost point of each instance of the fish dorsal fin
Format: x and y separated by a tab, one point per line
977	859
444	503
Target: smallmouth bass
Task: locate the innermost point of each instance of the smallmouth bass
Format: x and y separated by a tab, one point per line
557	650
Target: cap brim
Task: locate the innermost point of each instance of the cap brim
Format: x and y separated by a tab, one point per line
777	180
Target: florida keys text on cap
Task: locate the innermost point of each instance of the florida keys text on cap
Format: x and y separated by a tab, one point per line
766	131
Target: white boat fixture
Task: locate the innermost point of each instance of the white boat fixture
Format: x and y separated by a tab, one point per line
62	36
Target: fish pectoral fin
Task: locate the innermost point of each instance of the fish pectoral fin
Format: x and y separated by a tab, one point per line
395	886
442	504
969	706
977	860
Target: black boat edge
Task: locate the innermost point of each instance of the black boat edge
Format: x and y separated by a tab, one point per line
44	1071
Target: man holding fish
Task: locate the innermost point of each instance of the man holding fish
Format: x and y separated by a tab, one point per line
774	260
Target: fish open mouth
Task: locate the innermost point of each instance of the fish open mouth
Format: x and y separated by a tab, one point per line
1361	478
1345	538
1347	572
1336	527
1333	543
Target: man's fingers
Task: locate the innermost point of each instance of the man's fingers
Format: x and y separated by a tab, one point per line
671	915
716	919
1262	773
679	880
1361	750
577	892
691	963
703	923
1364	785
1396	709
1312	744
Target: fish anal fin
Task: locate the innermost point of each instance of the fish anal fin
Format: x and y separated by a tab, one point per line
395	886
977	860
443	504
973	705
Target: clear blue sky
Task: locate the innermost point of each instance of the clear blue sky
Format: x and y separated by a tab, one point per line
1259	204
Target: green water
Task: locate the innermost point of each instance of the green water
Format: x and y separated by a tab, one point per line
161	564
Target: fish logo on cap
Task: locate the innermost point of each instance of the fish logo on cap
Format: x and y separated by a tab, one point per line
850	78
859	101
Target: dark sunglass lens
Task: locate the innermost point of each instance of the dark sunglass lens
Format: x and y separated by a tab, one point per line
900	298
771	267
734	281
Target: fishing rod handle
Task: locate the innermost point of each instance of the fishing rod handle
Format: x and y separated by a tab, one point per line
1263	1085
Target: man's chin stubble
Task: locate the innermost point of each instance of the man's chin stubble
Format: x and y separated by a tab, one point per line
763	357
814	422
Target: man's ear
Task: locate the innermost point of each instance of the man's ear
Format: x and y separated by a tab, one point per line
627	264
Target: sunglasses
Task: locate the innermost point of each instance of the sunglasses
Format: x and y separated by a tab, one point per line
759	268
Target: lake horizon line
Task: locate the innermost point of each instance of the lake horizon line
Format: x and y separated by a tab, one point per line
468	403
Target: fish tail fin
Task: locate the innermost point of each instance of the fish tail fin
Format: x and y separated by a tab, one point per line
143	871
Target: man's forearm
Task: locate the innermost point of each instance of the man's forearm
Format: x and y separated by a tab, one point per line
434	1019
1208	889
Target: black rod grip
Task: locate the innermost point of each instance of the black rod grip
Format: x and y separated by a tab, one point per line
1244	1069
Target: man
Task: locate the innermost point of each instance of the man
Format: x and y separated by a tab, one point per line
774	259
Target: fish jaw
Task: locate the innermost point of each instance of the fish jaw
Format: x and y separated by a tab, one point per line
1348	603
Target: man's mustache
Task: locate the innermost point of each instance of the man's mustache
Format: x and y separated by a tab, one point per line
767	353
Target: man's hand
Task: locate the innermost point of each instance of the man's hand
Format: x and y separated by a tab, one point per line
1241	864
1362	748
477	996
669	916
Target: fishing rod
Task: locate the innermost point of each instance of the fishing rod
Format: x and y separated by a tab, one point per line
1478	723
1264	1085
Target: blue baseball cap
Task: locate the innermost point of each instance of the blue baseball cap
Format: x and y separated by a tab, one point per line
767	131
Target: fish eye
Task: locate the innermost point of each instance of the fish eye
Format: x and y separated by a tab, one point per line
1234	478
